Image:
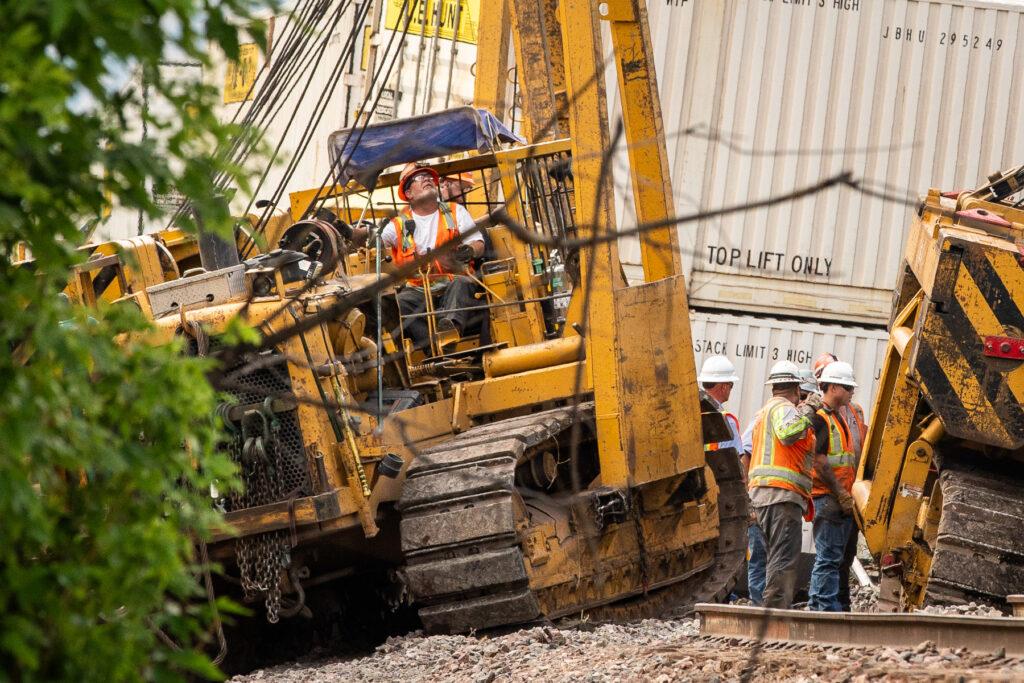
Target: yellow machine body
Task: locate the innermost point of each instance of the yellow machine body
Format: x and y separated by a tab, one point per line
936	498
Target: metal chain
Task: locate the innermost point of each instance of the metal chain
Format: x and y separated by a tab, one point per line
260	557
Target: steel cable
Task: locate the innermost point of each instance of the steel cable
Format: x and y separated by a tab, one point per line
320	107
287	47
339	164
334	170
332	83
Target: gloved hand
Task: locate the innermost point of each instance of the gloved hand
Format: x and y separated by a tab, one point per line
810	406
846	502
464	253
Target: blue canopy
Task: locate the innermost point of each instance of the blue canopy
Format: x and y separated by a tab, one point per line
362	155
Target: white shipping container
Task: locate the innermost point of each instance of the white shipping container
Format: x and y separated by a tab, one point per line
761	97
123	222
754	344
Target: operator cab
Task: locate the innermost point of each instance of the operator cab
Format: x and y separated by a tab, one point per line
521	289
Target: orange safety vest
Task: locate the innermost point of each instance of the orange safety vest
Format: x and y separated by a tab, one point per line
404	250
729	417
773	463
853	416
840	455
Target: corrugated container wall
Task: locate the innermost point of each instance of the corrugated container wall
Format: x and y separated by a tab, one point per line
761	97
122	221
754	344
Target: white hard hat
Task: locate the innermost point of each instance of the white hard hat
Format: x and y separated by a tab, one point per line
808	383
717	369
837	372
784	372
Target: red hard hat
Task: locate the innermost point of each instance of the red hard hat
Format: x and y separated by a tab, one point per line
821	361
407	173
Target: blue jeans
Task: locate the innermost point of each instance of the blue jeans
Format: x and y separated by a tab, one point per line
757	560
832	529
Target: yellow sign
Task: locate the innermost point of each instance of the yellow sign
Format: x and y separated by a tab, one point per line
364	61
424	20
240	76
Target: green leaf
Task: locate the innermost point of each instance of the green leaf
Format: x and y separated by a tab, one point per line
99	497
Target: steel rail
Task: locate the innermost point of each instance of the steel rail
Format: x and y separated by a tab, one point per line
896	630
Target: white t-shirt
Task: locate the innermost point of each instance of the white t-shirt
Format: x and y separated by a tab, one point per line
425	234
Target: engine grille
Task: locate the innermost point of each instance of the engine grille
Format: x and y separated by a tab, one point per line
291	476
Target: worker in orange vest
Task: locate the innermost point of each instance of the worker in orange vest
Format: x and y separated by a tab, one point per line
455	187
423	226
782	443
853	415
832	483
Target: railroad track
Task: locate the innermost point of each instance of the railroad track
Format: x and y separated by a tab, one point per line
774	627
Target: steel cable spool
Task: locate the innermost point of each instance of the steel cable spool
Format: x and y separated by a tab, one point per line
318	240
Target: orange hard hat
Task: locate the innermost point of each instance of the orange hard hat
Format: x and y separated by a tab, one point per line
821	361
407	173
465	178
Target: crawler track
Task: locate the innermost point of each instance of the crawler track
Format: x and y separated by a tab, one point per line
979	550
714	583
460	537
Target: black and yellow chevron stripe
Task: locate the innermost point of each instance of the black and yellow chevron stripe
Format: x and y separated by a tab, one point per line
978	398
105	283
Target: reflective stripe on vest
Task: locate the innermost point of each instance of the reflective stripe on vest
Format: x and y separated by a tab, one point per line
840	454
729	418
840	460
404	250
782	474
773	463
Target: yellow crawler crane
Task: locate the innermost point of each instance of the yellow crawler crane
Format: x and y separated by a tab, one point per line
552	461
540	473
939	493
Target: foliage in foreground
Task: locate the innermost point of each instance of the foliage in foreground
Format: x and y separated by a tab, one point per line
107	450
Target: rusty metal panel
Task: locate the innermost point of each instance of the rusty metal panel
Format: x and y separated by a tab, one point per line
979	294
541	68
659	407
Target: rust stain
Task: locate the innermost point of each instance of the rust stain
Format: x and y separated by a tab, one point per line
661	373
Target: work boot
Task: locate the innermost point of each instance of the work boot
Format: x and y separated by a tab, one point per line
448	333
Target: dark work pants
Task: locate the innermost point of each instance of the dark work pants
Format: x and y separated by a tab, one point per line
844	568
756	561
781	524
448	297
832	529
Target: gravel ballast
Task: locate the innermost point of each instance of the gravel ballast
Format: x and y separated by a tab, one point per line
650	650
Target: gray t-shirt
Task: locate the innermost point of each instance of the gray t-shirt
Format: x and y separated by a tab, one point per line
762	496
